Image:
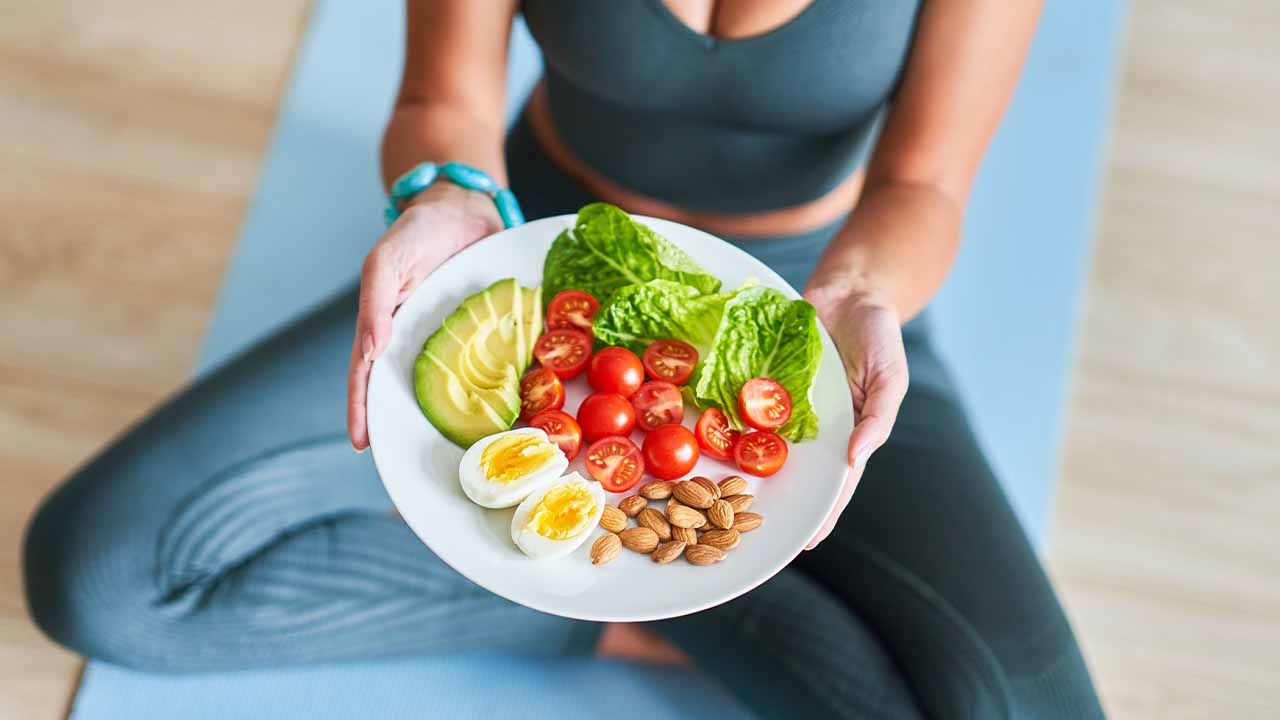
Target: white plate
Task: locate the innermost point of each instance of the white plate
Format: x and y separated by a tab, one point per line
419	467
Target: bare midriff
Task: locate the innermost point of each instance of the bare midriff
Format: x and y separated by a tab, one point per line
808	216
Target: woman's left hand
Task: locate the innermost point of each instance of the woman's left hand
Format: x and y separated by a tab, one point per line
868	334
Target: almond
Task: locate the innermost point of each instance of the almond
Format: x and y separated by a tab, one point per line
668	551
702	554
688	535
652	519
722	539
685	517
747	521
711	487
721	514
639	539
693	494
613	519
740	503
632	505
605	548
660	490
732	485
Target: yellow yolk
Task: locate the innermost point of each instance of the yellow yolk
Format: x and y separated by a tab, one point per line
514	456
562	513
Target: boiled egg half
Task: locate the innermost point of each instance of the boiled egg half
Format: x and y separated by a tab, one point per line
555	520
501	470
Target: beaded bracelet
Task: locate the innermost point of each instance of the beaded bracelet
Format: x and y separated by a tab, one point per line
421	177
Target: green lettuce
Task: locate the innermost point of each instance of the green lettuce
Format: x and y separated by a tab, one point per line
763	333
607	250
637	315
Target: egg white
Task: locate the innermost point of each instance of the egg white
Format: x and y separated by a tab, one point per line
542	548
501	495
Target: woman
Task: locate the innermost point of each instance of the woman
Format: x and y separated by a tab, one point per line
234	527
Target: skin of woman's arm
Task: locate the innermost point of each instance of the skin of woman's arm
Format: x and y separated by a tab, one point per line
450	108
898	245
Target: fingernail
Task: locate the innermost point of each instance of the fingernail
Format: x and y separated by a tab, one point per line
860	461
368	347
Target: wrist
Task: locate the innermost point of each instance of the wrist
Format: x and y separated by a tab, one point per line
447	202
850	293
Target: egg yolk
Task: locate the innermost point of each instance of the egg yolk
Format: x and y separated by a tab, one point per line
562	513
514	456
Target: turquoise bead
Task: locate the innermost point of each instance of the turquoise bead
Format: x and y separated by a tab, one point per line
414	181
469	177
391	214
508	208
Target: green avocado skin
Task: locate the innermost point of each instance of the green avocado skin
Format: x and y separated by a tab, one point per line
467	377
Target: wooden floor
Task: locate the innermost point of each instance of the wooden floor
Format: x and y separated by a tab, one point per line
1165	540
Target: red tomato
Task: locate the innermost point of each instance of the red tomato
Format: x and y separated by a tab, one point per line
760	453
615	370
715	437
561	429
670	451
565	352
572	310
540	390
604	414
764	404
657	403
615	462
670	360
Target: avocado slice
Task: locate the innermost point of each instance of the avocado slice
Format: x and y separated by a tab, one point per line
467	377
461	412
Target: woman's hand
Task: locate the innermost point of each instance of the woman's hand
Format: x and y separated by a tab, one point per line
438	222
868	334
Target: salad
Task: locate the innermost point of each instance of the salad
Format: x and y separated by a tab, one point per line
652	332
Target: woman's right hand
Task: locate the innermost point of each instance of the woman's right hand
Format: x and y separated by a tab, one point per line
438	222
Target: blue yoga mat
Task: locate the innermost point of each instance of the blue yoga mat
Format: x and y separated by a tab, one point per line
1004	321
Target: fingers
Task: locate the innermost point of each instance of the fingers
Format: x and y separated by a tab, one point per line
357	387
379	293
851	478
875	421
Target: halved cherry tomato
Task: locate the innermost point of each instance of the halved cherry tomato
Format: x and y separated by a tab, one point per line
540	390
615	462
561	429
670	360
604	414
615	370
670	451
764	404
564	352
573	310
715	437
657	403
760	453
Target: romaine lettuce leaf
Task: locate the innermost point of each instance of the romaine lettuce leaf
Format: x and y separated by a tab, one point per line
637	315
763	333
607	250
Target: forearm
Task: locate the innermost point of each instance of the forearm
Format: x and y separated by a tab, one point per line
441	132
897	246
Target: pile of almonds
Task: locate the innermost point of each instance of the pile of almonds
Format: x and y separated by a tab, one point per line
701	520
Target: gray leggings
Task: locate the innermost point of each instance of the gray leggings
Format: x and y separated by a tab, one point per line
235	528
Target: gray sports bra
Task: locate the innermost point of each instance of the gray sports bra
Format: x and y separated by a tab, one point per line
733	126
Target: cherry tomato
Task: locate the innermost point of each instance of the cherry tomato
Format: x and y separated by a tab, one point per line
670	360
715	437
564	352
603	414
657	403
764	404
670	451
760	453
540	390
615	370
561	429
572	310
615	462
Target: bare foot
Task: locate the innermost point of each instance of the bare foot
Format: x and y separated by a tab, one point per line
635	642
